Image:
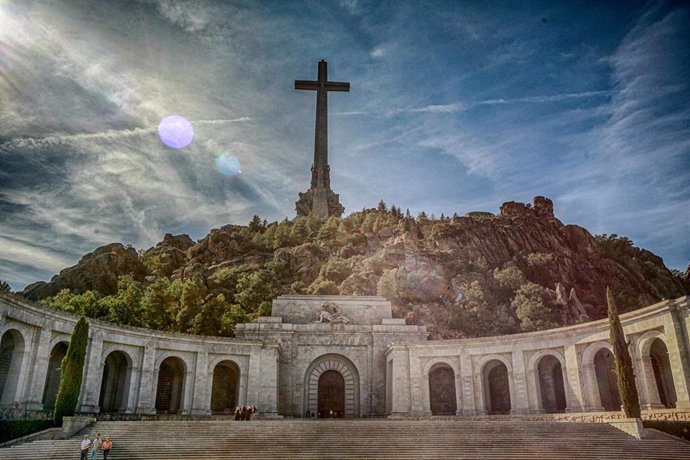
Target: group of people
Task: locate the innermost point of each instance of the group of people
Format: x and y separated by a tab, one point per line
98	445
244	412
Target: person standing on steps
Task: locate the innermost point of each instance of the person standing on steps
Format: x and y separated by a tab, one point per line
85	447
96	446
107	445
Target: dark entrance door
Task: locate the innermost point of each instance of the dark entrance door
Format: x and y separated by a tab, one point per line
331	402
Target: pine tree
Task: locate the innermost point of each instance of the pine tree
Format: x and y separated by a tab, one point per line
72	372
624	368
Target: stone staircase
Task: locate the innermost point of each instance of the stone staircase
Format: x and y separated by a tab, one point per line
357	439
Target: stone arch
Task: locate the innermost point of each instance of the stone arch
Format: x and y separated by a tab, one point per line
427	382
52	384
442	391
607	380
547	381
225	387
497	384
663	373
170	384
550	384
350	379
12	350
115	382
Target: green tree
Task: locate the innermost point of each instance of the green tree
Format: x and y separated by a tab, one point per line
125	307
160	303
85	304
299	233
388	285
191	302
624	368
256	225
329	229
530	309
324	287
72	372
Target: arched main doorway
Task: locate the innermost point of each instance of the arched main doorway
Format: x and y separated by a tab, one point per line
225	387
331	382
551	384
607	380
115	383
52	385
11	357
170	386
331	395
496	387
662	373
442	399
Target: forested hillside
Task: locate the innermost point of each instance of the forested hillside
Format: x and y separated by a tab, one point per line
479	274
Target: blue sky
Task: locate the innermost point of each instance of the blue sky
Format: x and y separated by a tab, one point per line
454	107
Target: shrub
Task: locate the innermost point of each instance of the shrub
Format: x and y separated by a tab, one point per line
13	429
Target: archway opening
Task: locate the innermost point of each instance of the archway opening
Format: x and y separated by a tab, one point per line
316	389
607	380
662	373
115	383
11	357
551	384
442	390
170	386
225	388
331	395
497	388
52	385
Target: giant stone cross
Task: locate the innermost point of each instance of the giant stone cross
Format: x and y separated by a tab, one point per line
319	200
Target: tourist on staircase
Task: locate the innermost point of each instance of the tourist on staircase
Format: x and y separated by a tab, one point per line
85	447
107	445
96	446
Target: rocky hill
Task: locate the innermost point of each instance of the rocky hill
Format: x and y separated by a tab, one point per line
479	274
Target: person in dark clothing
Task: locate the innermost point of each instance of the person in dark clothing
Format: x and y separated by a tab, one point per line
237	413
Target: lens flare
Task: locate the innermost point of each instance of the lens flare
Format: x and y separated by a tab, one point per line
176	131
228	164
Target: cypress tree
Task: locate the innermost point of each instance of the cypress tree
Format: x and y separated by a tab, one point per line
624	368
72	372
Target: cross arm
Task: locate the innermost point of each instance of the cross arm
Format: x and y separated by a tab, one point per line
337	86
306	84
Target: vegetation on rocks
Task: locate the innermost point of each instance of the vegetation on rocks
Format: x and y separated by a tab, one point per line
463	276
72	372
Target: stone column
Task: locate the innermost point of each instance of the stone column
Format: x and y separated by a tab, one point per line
458	393
518	390
416	390
133	389
468	395
201	403
678	345
253	379
533	392
267	403
188	389
148	381
93	373
41	359
400	386
591	388
573	382
649	393
480	394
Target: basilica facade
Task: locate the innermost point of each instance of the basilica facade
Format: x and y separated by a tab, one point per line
341	356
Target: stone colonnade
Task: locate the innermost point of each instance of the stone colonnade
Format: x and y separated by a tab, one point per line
559	370
130	370
139	371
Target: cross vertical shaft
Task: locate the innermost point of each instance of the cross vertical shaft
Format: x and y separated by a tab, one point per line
321	201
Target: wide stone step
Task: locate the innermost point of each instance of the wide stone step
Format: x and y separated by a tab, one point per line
356	439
